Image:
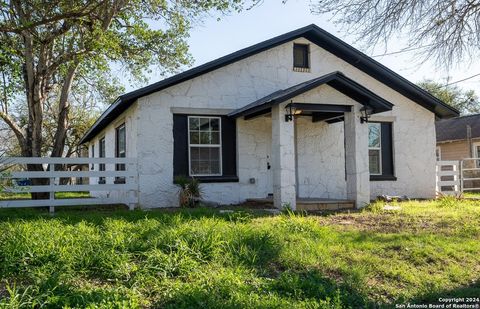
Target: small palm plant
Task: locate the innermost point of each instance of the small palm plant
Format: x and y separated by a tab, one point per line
190	191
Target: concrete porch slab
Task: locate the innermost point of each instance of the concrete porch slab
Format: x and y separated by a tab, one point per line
311	204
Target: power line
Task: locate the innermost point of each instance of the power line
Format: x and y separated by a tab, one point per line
461	80
403	51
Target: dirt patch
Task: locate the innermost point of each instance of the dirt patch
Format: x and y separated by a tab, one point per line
385	223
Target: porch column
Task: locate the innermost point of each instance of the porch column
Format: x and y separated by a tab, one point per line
356	158
283	159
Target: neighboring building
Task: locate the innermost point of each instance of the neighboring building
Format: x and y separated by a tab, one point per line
282	117
458	138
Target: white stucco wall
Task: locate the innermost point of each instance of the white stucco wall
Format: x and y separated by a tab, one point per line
320	146
129	117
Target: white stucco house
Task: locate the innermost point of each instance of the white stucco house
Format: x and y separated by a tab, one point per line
302	115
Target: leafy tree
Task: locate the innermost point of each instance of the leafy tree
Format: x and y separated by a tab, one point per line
466	101
449	30
48	46
51	48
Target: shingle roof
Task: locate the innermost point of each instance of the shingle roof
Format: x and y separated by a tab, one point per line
456	128
312	33
336	80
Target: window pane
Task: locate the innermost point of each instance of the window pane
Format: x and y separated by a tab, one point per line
374	161
215	124
102	148
204	124
205	160
300	56
121	147
215	167
194	138
205	138
195	153
204	154
194	124
374	135
215	137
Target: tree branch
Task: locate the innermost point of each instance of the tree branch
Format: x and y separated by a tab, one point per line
15	128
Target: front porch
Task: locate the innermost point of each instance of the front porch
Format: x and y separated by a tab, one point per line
319	143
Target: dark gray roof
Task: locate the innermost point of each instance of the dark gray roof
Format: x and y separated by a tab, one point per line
312	33
336	80
456	128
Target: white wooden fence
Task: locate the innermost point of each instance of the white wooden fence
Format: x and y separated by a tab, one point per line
470	174
108	191
455	177
448	177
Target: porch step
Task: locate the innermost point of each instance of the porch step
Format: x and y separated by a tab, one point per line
310	204
322	205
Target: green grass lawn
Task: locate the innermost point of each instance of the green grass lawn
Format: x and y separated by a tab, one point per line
26	195
201	258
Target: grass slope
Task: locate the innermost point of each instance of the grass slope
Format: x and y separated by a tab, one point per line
200	258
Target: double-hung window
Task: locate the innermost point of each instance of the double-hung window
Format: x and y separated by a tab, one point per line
380	151
375	148
120	149
204	146
101	154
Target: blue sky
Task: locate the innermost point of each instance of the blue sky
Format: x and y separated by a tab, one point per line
213	39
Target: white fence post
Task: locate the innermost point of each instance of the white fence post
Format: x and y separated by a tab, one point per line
127	192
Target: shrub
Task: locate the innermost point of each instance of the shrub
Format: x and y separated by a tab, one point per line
190	191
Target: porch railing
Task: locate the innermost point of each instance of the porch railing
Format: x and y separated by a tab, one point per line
100	177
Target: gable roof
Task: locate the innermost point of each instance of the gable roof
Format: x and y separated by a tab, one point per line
337	80
314	34
456	128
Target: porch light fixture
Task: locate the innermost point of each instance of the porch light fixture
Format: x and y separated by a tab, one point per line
366	113
289	112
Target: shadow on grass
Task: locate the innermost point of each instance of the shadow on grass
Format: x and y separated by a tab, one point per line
96	215
309	289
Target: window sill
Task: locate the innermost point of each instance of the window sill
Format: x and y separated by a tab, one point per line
382	178
214	179
300	69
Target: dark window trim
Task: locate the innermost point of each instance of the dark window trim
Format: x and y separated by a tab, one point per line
382	178
229	144
101	154
306	62
120	167
385	149
215	179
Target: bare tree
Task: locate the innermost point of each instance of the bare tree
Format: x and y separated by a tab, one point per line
449	30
